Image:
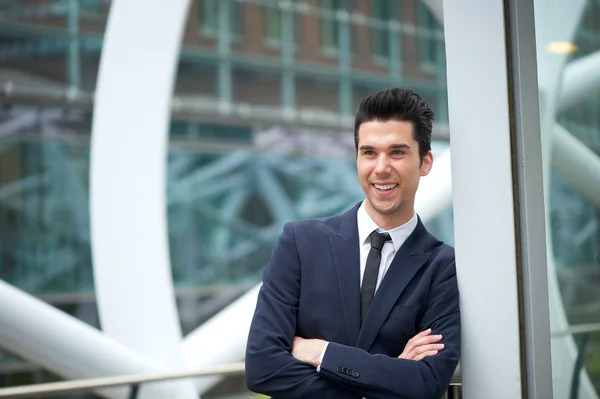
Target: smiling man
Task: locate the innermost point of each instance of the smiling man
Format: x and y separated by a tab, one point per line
365	304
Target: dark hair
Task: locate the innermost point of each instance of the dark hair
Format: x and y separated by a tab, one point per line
399	104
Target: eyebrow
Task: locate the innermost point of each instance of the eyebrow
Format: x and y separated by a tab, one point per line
398	146
391	147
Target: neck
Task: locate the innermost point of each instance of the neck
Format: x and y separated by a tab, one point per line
389	221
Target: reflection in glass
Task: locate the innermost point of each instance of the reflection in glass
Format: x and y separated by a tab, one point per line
567	69
261	134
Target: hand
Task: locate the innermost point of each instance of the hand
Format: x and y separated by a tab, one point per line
308	350
421	345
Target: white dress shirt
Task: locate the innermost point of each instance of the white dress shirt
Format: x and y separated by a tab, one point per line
399	234
366	226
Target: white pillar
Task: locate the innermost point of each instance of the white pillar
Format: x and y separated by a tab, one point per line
483	198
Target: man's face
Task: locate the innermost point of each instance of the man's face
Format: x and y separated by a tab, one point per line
389	170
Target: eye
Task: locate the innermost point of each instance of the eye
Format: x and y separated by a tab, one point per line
397	152
369	152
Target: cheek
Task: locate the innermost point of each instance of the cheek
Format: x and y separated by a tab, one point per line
410	176
364	171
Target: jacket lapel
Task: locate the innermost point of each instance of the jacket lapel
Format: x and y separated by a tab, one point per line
407	262
346	258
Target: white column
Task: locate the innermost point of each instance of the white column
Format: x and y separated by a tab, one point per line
482	183
132	271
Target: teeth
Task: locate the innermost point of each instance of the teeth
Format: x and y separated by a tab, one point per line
385	187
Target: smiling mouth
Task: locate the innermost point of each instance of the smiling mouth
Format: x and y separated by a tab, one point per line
385	187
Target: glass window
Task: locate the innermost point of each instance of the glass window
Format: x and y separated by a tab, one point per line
382	11
9	5
274	23
272	16
330	24
568	44
429	38
86	8
209	18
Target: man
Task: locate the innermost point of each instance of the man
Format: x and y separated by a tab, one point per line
364	304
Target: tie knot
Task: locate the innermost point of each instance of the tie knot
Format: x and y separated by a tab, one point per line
378	239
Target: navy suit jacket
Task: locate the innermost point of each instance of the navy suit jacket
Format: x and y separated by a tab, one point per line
311	289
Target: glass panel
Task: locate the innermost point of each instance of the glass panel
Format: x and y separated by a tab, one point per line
272	16
382	11
231	138
429	36
247	81
57	41
196	80
568	49
208	17
329	24
318	95
281	19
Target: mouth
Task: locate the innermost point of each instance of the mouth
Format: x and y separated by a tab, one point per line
385	189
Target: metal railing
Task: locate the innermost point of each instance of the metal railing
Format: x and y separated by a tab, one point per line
135	380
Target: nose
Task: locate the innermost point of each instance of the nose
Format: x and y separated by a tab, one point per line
383	165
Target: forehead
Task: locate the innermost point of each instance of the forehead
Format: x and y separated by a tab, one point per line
386	132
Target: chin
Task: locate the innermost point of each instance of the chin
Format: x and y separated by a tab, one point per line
385	209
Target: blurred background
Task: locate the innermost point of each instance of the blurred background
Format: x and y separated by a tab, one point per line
260	134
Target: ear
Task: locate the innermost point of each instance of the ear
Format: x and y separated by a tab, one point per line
427	164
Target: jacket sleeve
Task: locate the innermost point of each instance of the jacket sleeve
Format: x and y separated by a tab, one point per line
270	367
383	377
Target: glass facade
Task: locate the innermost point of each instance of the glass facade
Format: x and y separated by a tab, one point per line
570	124
260	134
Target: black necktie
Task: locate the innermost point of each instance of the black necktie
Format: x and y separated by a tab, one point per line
371	272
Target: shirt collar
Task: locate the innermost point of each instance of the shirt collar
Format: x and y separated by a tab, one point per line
366	226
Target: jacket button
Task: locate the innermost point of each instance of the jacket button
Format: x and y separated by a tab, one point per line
339	369
355	374
344	369
349	372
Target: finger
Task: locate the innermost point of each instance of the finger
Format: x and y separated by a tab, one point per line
420	335
426	348
425	354
430	339
412	346
423	333
426	340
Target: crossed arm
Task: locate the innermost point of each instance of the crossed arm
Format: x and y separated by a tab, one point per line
423	344
273	369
